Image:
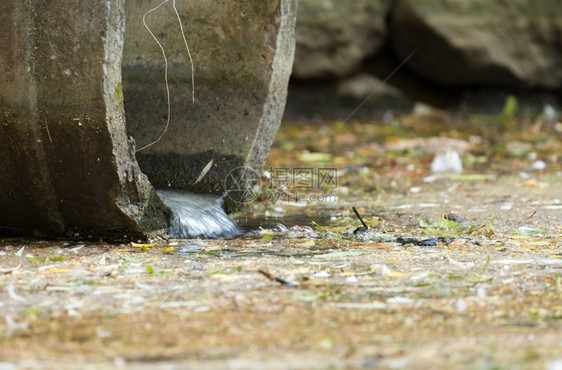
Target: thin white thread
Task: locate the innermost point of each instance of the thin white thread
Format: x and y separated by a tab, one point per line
166	66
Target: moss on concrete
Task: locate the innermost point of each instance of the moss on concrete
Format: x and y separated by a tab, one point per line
155	212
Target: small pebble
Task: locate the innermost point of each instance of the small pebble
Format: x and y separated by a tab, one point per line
506	206
415	189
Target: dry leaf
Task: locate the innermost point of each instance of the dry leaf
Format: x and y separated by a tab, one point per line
142	245
204	172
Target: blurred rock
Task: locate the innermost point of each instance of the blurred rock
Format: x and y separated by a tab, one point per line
423	111
333	37
481	42
549	114
432	145
362	85
518	148
470	56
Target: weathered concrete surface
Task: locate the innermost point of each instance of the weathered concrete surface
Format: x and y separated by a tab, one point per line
334	36
481	42
242	53
66	166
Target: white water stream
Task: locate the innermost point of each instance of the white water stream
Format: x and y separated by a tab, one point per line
198	215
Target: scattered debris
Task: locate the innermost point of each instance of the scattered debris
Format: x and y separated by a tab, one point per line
10	270
477	252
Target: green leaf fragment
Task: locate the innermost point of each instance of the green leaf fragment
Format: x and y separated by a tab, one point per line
307	244
474	177
43	259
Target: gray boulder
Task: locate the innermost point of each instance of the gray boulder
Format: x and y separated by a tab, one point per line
334	37
512	43
363	85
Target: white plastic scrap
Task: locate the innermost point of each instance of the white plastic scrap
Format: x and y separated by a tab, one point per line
549	114
12	293
460	305
76	249
400	300
369	305
142	286
555	364
449	161
10	270
20	252
102	333
538	165
14	325
506	206
351	279
463	265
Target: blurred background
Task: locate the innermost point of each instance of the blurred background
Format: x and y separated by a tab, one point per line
465	57
420	96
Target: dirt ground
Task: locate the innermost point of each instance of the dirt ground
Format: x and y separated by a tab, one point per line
456	271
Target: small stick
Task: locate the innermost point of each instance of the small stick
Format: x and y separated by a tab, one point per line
48	133
528	218
274	278
359	217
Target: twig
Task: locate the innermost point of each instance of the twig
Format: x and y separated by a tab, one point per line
48	133
528	218
359	217
275	278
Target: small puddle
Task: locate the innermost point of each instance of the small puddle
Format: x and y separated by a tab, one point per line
202	216
270	223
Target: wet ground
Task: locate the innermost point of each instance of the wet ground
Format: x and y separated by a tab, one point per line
455	270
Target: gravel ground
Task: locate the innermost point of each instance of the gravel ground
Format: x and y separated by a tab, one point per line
478	289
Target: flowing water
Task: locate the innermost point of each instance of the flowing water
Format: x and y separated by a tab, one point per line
202	216
198	215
